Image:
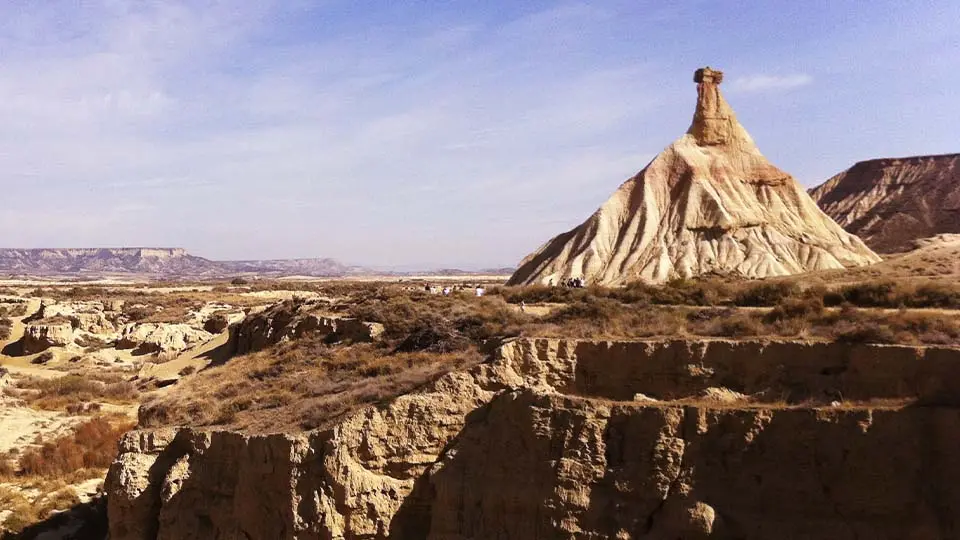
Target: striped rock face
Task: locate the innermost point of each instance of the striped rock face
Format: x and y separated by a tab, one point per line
895	203
710	203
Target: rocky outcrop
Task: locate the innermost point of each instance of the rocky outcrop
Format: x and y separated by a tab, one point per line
85	316
148	338
294	319
545	441
892	202
40	335
710	203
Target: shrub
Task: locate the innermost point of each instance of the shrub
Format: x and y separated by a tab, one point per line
934	295
6	328
139	313
57	393
43	358
795	308
765	293
239	281
871	294
865	332
92	445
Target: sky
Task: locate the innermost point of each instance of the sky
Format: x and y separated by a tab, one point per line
426	134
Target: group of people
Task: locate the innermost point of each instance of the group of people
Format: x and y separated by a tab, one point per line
447	291
571	283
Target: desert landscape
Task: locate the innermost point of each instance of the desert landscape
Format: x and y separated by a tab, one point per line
479	270
710	355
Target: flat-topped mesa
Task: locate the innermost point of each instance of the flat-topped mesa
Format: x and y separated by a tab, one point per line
714	122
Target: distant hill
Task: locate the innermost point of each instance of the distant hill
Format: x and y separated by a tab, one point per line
294	267
172	263
105	261
892	202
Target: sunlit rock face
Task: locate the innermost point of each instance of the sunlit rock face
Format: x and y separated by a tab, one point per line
710	203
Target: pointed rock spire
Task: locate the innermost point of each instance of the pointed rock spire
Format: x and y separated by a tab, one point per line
714	122
710	203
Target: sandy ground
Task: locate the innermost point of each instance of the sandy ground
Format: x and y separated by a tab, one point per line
22	425
198	357
538	310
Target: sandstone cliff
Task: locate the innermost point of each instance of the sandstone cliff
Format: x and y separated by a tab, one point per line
710	203
890	203
579	439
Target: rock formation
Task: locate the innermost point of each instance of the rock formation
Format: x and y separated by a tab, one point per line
546	441
892	202
149	338
293	319
710	203
42	334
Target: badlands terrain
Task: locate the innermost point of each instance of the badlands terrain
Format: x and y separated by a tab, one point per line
710	408
739	365
890	203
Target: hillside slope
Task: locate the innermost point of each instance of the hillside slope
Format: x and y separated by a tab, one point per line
891	202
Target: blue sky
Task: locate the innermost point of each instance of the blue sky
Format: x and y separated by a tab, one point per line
416	133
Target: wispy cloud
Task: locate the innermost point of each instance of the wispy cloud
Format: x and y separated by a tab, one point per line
384	134
767	83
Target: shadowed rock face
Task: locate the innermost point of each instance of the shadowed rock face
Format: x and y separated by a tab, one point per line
710	203
544	442
890	203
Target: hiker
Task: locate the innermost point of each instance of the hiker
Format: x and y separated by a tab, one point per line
523	306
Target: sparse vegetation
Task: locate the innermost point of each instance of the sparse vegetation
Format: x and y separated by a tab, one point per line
6	327
82	454
44	474
298	385
69	390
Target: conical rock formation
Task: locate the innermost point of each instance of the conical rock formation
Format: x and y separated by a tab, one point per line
710	203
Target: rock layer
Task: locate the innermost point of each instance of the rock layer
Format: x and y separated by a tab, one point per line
893	202
540	443
710	203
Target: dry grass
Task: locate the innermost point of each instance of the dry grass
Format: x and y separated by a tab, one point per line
14	310
63	393
298	385
44	473
766	293
6	327
83	454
